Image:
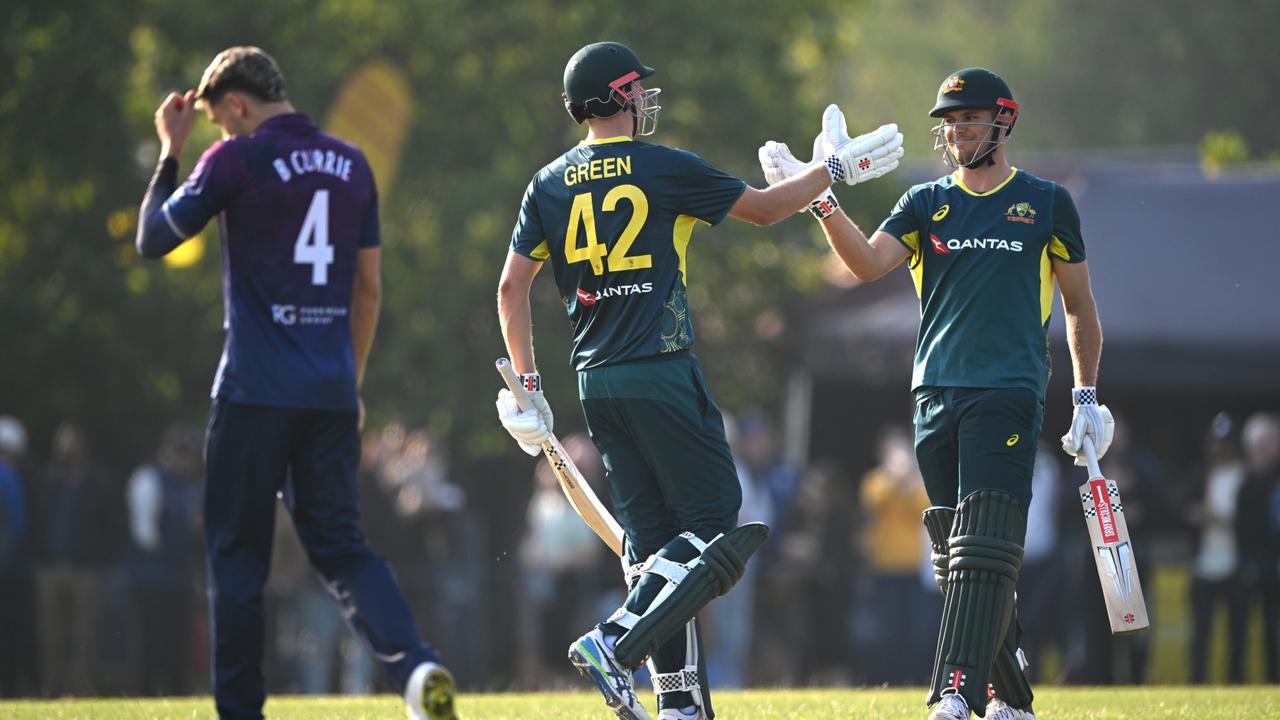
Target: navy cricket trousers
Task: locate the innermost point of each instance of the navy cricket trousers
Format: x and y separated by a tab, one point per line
252	452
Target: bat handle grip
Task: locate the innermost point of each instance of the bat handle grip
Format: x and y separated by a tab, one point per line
1091	458
509	376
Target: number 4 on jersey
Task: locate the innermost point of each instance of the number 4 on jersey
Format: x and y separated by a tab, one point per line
312	246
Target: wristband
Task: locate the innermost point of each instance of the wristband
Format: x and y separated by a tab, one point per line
532	382
835	167
1084	396
824	206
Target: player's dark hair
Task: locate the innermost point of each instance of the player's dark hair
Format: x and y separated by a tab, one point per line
248	70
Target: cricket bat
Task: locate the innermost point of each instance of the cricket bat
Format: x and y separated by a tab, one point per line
1112	550
575	487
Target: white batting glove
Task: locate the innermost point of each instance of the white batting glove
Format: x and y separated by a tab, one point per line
527	426
859	159
1089	420
778	164
533	388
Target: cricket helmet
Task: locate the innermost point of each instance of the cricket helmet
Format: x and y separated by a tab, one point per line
975	88
600	80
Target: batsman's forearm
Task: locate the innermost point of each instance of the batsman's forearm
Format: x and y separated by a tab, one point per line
1084	336
516	320
365	308
849	242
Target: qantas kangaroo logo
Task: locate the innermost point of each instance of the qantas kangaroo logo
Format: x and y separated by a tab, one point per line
938	246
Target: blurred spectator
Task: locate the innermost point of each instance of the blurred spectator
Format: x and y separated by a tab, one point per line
163	498
1109	659
1214	571
419	473
729	624
1257	535
17	669
81	518
810	581
564	566
757	452
892	498
1039	594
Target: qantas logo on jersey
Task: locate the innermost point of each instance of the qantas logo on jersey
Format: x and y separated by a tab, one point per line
586	298
974	244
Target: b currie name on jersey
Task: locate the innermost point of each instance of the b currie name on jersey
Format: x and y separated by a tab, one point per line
985	244
301	162
609	167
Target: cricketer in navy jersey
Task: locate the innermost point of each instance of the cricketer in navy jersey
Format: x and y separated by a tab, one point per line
298	217
293	206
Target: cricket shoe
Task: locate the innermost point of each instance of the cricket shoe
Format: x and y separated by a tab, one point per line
593	657
951	707
676	714
429	693
998	709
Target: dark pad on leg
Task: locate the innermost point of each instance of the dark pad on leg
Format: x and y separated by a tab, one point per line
938	521
985	555
719	567
1007	676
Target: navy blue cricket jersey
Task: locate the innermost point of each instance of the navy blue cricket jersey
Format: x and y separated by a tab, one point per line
293	207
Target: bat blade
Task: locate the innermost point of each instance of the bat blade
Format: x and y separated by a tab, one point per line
1113	551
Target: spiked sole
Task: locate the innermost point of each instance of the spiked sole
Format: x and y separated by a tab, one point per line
438	690
590	669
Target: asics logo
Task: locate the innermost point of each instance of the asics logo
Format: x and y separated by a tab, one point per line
942	212
1013	440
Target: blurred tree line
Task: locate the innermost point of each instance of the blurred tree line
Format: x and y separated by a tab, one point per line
92	333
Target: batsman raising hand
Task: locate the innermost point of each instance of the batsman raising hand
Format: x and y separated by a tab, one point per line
984	246
614	216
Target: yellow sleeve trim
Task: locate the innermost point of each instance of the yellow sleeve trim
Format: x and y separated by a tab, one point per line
680	237
1058	249
1046	283
911	240
916	262
542	252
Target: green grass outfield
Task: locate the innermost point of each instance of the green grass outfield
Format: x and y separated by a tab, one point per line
1121	703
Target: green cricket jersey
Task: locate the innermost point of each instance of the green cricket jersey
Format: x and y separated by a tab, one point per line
615	216
982	268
